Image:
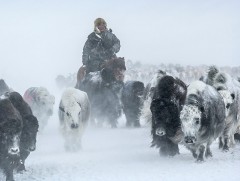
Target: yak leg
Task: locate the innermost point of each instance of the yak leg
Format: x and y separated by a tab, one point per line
208	152
194	154
135	118
226	143
227	134
201	153
132	118
220	142
23	154
112	119
168	148
128	118
173	149
163	151
114	123
232	140
136	122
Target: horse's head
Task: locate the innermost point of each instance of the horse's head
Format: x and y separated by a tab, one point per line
116	68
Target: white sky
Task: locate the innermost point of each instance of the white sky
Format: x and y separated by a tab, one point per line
46	37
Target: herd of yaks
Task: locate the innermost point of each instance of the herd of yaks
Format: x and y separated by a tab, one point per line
193	115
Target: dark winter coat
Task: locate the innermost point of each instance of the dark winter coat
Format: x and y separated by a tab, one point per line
10	131
98	48
132	100
168	99
30	127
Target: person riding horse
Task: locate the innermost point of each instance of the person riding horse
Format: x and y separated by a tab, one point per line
102	74
101	45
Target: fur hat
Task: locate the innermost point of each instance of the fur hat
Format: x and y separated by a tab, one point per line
97	22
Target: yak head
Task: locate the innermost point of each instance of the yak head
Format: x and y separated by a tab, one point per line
138	88
190	117
223	81
72	114
167	120
10	132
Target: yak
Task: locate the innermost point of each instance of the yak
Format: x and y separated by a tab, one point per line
74	113
167	102
30	127
41	103
10	133
202	118
132	100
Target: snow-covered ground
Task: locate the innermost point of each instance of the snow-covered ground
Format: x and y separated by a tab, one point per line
121	154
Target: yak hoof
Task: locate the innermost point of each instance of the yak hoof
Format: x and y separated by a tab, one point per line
208	154
200	160
225	148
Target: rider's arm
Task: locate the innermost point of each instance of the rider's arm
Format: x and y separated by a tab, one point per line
116	46
110	41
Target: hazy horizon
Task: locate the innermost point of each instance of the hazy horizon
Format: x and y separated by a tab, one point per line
40	39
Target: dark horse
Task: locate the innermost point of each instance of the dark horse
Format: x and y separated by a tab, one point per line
103	89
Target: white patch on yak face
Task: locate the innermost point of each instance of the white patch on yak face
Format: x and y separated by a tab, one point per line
228	99
14	147
160	131
191	122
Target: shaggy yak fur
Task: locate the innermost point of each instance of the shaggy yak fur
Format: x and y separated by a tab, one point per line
202	118
149	90
103	89
223	81
168	99
10	132
41	103
148	95
74	113
3	87
30	127
132	100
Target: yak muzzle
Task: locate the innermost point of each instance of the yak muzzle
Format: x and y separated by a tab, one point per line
74	126
32	148
14	151
160	131
190	139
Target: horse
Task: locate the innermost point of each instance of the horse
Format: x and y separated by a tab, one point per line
103	88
